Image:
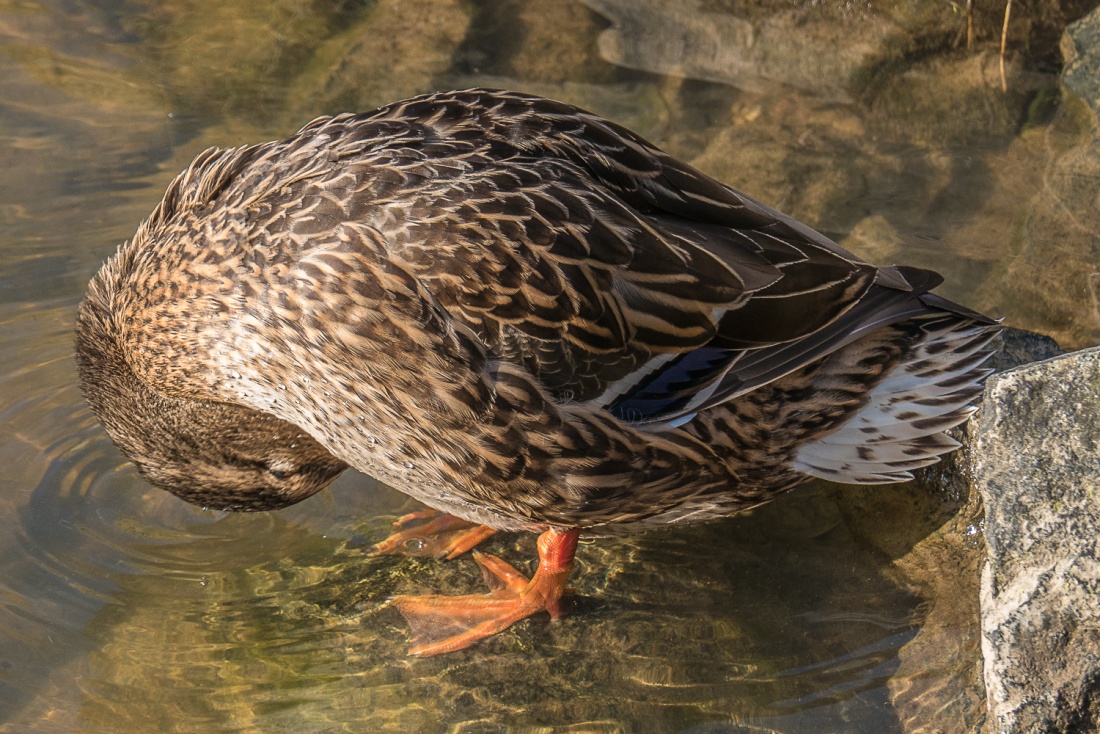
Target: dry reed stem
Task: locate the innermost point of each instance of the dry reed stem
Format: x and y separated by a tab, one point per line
1004	42
969	24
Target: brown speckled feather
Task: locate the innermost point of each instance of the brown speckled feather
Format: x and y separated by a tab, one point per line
516	312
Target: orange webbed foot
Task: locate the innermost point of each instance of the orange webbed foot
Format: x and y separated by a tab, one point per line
442	624
444	536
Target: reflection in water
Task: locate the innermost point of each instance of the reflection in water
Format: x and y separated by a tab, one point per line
121	607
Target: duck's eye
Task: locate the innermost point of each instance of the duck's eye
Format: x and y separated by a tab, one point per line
280	473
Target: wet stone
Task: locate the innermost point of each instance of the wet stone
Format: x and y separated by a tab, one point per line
1037	465
1081	49
689	39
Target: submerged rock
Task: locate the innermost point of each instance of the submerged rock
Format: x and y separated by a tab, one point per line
834	49
1042	206
1037	465
394	49
689	39
1018	348
534	42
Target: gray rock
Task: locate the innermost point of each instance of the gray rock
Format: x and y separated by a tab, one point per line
1081	50
1037	464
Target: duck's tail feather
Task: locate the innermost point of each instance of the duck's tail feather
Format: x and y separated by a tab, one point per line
902	422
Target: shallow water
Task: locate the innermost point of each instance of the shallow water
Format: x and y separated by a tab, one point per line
122	608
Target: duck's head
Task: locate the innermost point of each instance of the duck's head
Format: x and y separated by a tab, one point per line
212	454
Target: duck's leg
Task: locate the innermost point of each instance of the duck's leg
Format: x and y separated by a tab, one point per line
446	623
440	535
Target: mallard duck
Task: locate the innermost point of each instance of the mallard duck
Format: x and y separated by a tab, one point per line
523	316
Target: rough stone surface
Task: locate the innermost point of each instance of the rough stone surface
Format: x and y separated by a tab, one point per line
1037	464
1081	50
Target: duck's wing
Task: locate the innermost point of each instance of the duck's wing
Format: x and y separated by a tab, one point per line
618	275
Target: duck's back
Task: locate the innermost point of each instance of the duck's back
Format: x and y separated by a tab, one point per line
475	262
